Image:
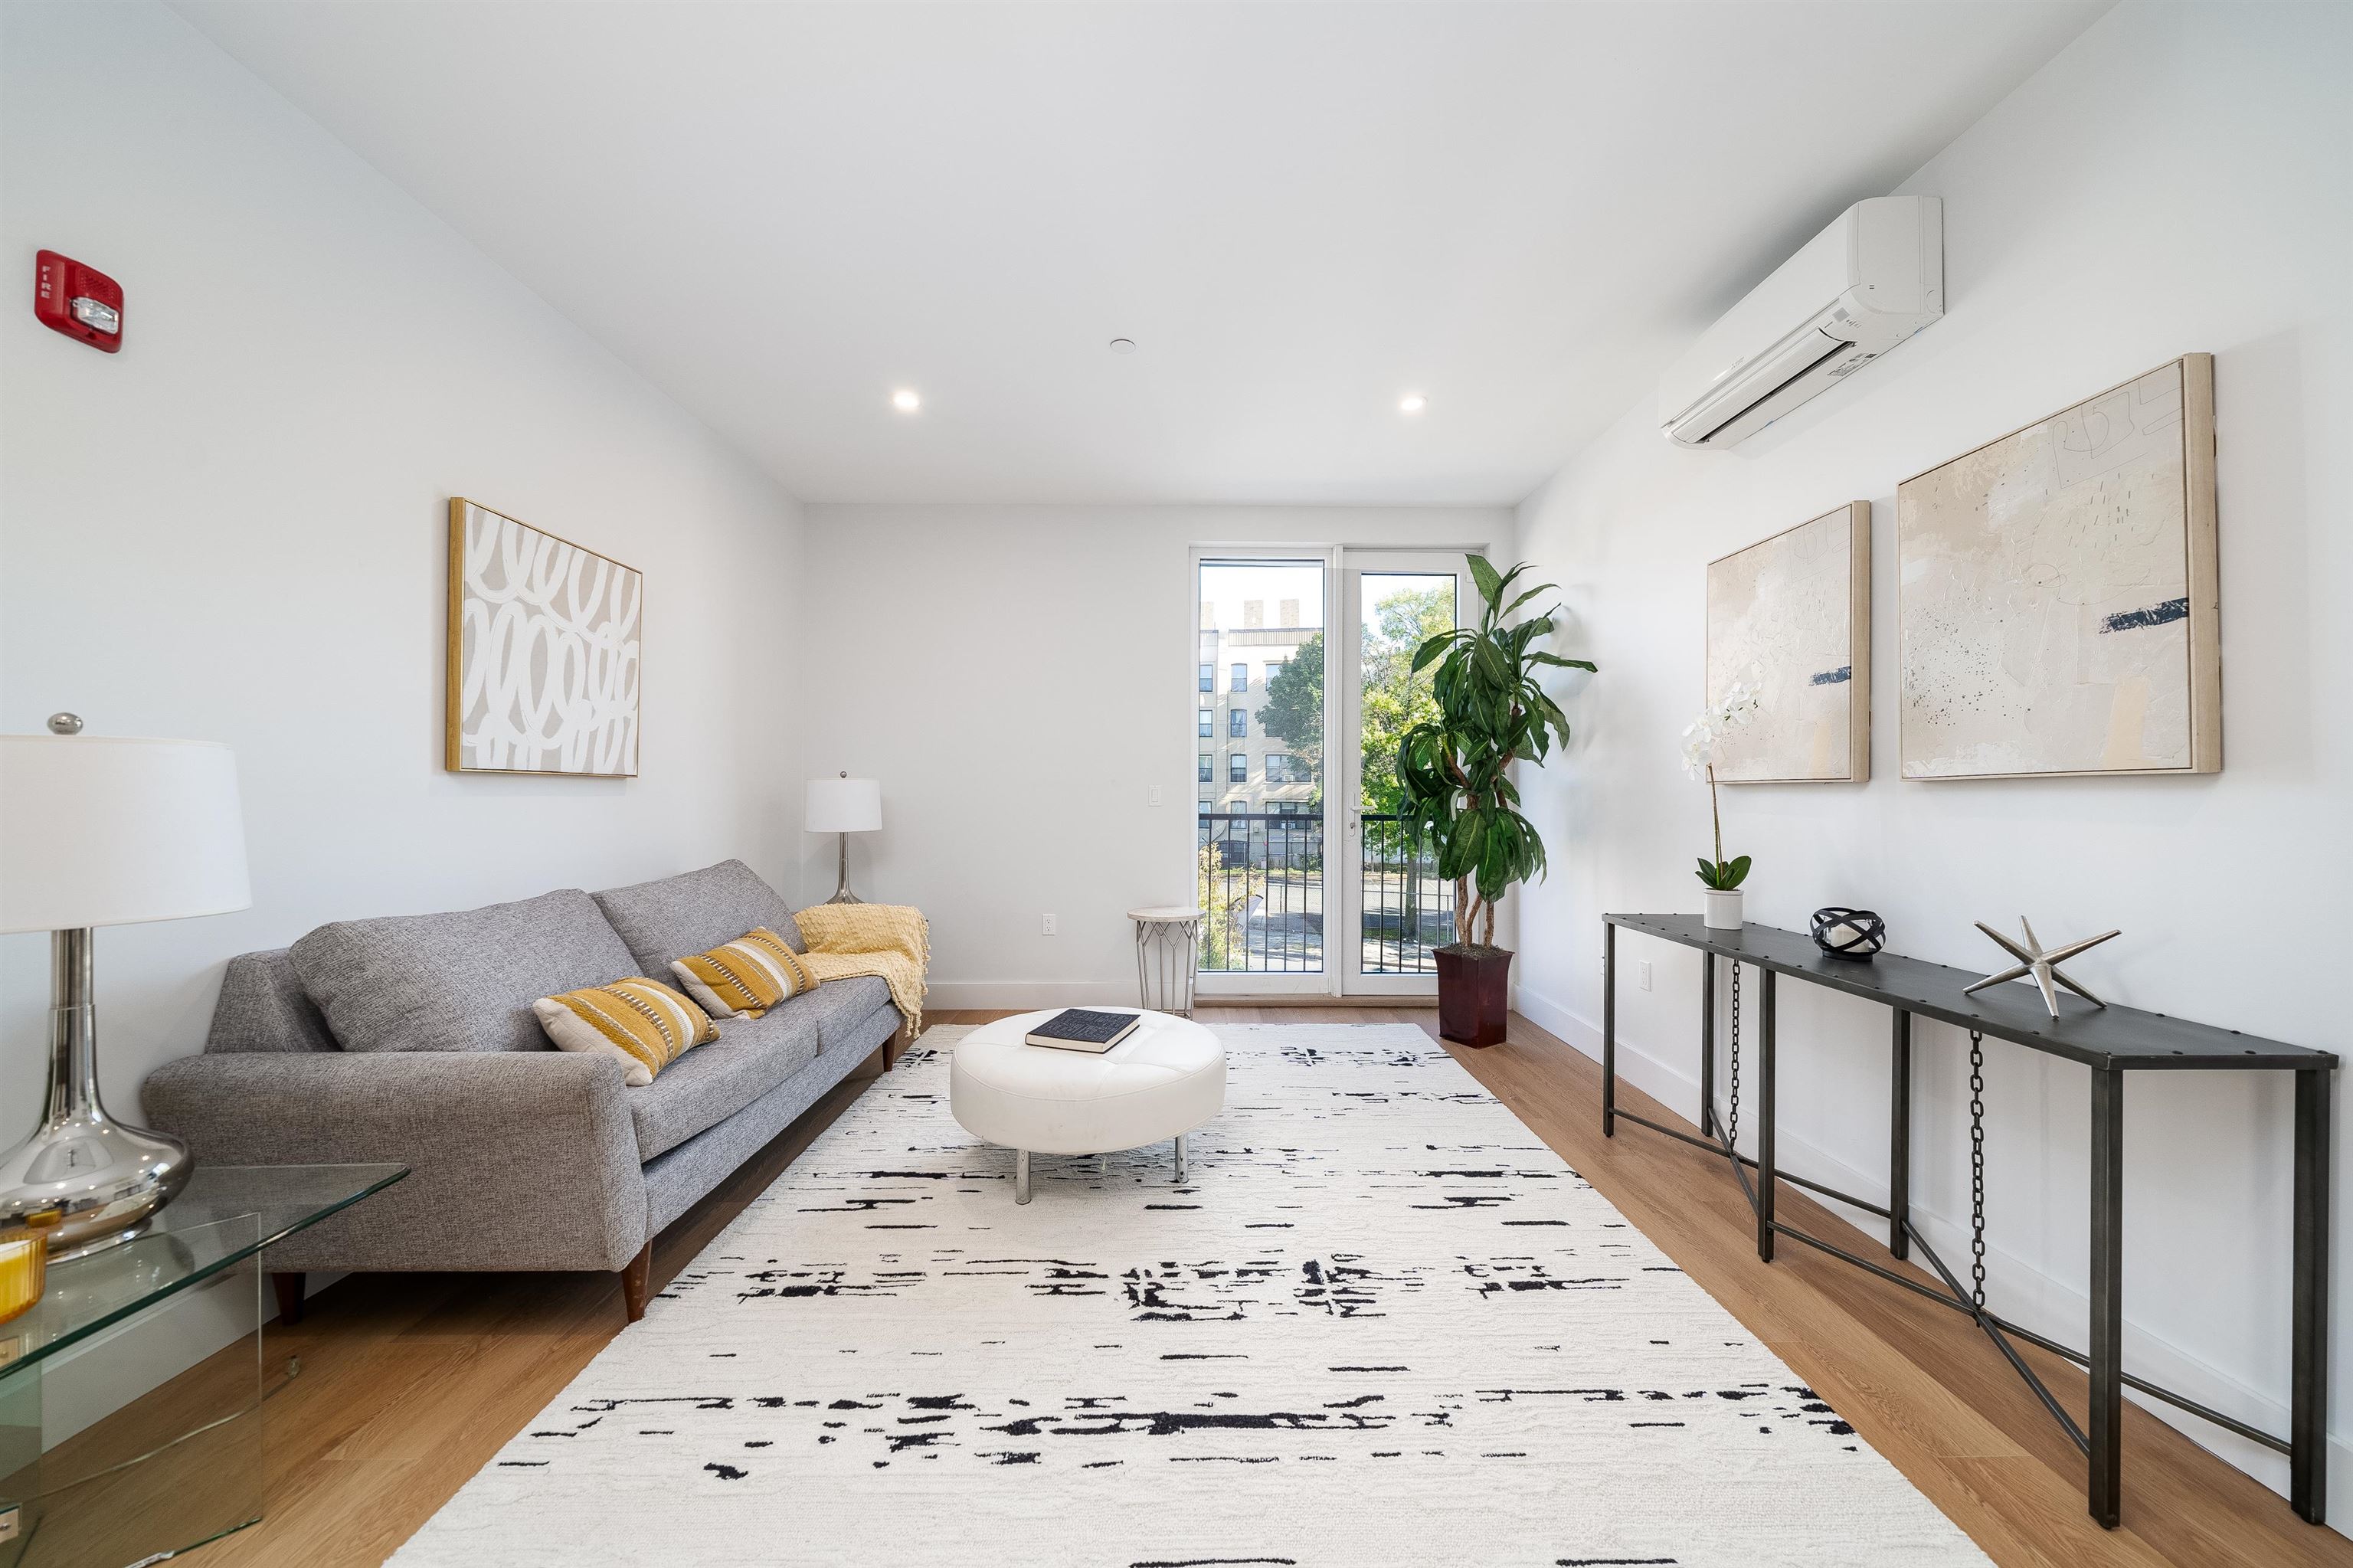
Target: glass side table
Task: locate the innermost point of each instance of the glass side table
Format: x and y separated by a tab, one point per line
160	1474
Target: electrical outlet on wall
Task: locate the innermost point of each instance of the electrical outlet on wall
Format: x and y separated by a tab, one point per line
1152	796
1643	975
1049	925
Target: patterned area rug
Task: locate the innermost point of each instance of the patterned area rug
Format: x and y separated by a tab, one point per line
1381	1323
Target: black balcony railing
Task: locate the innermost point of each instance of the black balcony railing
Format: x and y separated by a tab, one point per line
1262	888
1261	875
1407	908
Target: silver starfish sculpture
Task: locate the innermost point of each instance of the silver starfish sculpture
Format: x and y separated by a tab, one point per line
2043	965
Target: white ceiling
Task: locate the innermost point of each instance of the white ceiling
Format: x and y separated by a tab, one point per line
780	213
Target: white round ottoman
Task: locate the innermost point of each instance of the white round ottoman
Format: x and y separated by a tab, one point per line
1163	1081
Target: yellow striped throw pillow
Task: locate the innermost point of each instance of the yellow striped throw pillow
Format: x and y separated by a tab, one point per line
745	978
639	1023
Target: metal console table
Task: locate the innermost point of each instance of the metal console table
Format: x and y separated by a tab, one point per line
2111	1042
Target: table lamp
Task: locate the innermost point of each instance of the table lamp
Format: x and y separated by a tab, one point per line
843	805
100	831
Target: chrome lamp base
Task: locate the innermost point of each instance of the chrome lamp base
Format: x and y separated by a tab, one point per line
92	1181
841	894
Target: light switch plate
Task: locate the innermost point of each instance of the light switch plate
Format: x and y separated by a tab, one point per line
1643	975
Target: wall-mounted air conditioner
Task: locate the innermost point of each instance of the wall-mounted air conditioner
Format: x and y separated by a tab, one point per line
1858	289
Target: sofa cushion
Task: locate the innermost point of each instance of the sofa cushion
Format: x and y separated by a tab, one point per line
745	978
840	1006
263	1007
665	920
460	981
712	1082
641	1024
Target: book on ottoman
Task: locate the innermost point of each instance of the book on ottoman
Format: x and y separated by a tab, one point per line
1078	1029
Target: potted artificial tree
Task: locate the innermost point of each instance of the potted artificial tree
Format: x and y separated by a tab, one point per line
1459	795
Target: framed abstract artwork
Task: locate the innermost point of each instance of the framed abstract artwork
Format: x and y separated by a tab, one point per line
544	653
1791	616
2057	596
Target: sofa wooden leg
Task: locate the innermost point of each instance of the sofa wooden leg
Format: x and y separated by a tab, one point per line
290	1298
635	1276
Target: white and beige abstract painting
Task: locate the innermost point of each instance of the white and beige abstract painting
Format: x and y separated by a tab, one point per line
544	652
2056	593
1791	616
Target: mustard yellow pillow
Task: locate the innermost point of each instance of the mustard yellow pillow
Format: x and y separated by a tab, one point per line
745	978
641	1023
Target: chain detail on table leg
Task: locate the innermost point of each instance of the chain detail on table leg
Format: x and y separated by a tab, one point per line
1976	1170
1732	1129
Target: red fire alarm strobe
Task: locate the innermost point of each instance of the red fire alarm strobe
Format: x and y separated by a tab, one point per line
78	301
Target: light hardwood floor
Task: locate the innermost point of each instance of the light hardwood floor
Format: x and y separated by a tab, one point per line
410	1384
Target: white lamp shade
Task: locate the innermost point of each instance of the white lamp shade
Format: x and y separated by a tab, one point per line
843	806
103	831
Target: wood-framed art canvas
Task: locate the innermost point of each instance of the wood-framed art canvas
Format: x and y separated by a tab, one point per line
2057	594
544	652
1792	616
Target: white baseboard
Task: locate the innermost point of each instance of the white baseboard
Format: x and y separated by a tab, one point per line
1025	995
2027	1295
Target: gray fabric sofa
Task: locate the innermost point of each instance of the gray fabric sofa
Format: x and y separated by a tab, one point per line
412	1039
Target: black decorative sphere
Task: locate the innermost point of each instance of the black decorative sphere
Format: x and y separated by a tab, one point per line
1844	933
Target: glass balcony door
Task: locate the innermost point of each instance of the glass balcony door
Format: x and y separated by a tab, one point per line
1261	690
1387	895
1301	867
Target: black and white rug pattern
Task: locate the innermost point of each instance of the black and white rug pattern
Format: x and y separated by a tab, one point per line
1380	1323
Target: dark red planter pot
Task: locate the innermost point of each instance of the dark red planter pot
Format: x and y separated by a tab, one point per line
1474	996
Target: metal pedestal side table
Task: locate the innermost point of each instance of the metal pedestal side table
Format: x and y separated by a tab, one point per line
1165	935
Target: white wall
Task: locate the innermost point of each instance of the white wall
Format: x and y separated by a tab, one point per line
236	528
2178	179
1018	678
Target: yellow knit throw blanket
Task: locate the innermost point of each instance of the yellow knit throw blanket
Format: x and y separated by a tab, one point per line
892	940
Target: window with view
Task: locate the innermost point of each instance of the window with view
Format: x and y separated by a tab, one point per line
1240	677
1208	772
1209	677
1237	723
1209	724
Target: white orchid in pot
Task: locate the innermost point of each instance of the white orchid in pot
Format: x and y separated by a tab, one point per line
1703	749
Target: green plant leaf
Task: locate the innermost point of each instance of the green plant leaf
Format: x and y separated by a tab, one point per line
1490	586
1431	651
1736	871
1524	598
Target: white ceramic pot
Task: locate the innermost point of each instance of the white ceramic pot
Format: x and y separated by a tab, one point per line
1720	911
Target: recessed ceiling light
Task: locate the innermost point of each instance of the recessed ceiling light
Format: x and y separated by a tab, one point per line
1412	403
906	400
1123	346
